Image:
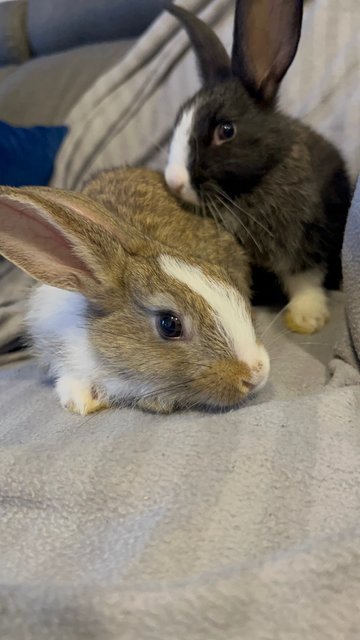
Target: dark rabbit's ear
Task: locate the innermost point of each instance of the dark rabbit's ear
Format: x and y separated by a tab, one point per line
213	61
59	238
266	37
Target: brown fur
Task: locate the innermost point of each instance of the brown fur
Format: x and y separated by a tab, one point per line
117	230
159	216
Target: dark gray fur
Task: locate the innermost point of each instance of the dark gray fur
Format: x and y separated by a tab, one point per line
281	188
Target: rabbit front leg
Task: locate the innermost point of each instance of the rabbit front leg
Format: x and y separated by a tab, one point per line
308	309
80	396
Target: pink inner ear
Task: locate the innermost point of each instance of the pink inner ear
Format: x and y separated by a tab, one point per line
266	37
38	246
260	43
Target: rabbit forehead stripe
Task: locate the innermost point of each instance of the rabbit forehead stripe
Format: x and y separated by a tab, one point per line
229	308
177	169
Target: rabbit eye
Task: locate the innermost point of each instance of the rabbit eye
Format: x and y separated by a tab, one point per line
169	326
224	132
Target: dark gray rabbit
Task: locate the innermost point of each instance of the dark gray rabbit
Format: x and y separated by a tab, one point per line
281	188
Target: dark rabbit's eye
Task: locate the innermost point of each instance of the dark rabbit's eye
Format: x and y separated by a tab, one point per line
224	132
169	326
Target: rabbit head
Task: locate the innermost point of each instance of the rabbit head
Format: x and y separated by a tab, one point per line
158	325
229	135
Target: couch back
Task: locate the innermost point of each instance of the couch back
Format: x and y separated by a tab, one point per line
38	27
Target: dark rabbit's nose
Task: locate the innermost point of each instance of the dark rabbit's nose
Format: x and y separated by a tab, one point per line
176	177
178	187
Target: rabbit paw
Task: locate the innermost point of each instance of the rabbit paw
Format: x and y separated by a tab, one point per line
156	405
79	396
308	312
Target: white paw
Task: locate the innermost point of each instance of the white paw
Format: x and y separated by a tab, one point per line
308	311
79	396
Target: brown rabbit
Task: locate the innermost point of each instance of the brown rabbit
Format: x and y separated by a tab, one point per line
139	303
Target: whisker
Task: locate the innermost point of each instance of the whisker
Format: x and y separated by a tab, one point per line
223	204
244	211
202	205
274	320
236	218
213	214
193	405
316	344
173	387
165	390
240	222
279	335
116	370
218	212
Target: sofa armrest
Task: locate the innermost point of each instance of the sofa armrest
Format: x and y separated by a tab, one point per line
57	26
14	46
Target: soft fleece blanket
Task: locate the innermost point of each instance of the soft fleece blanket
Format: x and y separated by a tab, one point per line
240	526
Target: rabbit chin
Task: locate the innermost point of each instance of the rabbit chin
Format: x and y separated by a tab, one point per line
230	382
188	194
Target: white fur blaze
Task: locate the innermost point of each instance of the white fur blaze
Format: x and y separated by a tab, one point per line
176	172
229	308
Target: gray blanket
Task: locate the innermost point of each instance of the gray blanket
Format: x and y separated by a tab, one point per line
236	526
205	526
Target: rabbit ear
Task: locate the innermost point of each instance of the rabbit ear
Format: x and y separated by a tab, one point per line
266	37
59	238
213	60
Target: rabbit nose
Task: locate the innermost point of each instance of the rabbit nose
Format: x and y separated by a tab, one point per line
176	184
176	178
178	187
248	386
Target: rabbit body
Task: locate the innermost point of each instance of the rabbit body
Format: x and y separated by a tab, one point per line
273	182
138	303
159	216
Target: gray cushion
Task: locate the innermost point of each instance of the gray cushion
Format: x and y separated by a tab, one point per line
56	26
6	71
43	90
14	46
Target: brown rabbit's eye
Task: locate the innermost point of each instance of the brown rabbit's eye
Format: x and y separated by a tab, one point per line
224	132
169	326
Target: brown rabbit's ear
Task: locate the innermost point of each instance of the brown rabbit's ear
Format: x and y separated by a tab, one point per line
58	238
213	60
266	37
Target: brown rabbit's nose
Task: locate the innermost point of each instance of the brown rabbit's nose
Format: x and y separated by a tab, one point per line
249	386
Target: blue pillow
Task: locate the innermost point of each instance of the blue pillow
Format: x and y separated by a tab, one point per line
27	154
